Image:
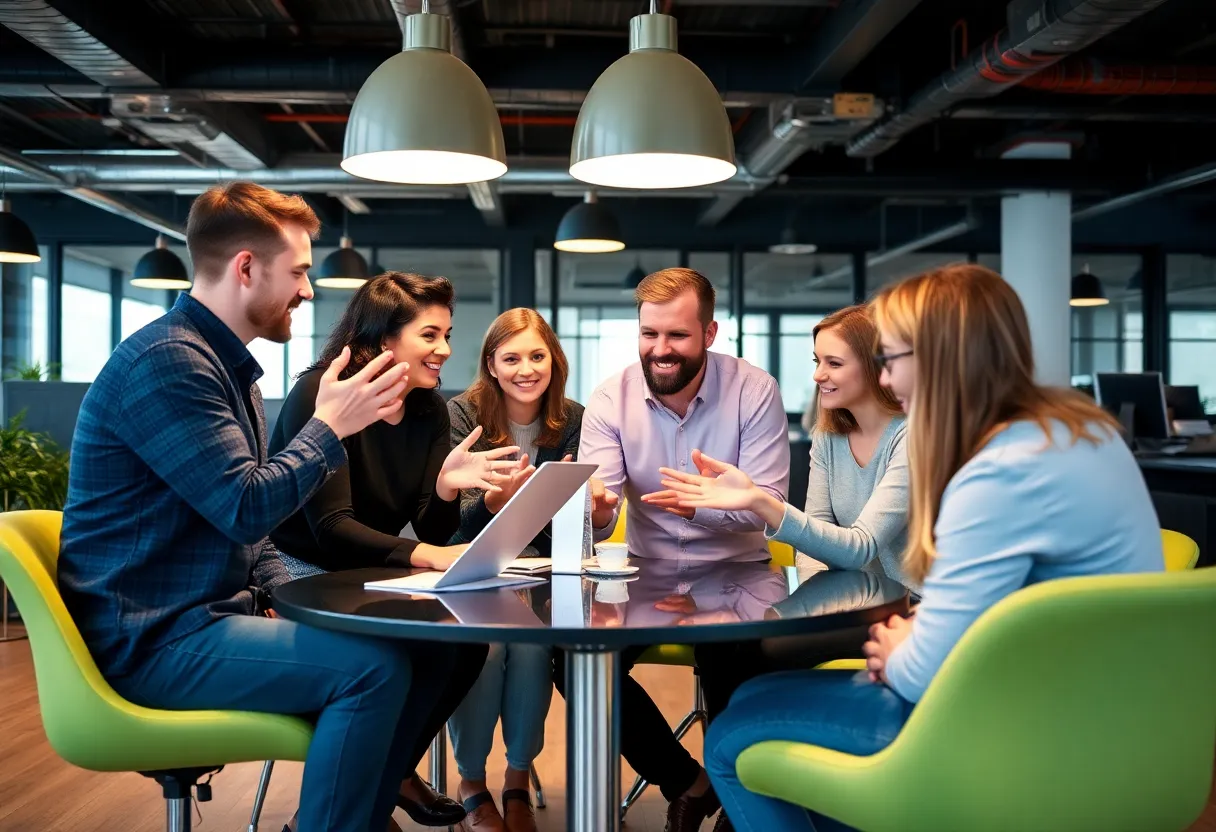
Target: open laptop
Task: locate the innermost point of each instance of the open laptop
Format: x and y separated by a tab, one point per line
505	536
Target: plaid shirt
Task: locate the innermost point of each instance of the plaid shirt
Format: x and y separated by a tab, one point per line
171	496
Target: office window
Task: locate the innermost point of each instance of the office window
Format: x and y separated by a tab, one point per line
23	300
544	293
879	275
86	316
142	306
784	296
1191	301
1109	338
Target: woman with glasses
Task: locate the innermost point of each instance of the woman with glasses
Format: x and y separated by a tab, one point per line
1012	484
856	502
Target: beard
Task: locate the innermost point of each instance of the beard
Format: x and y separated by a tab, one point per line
270	318
668	385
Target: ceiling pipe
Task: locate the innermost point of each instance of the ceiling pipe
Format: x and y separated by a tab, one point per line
1091	77
54	181
1035	38
968	223
1187	179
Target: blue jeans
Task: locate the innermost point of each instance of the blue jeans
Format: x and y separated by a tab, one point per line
368	698
836	709
516	682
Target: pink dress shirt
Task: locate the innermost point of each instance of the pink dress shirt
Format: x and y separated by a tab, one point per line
737	417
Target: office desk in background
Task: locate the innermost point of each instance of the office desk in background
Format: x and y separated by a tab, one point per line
1184	494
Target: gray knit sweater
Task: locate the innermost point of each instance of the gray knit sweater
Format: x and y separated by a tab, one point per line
855	518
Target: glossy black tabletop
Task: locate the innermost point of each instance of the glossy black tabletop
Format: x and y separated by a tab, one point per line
664	602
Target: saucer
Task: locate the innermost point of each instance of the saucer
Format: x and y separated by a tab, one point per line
591	566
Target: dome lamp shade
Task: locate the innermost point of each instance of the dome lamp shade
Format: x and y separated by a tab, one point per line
589	228
423	117
343	269
160	268
791	245
652	120
1087	290
17	243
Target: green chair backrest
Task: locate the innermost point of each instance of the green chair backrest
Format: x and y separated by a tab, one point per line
1072	704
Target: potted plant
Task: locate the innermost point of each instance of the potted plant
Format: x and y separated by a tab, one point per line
33	475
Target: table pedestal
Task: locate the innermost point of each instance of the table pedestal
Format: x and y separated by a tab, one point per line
593	762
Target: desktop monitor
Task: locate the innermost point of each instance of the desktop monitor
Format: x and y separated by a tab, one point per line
1137	400
1184	402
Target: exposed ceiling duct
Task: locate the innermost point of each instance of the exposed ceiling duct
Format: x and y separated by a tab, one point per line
1038	34
51	180
158	117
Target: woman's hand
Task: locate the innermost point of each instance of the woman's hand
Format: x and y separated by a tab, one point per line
438	558
722	486
465	469
884	638
507	487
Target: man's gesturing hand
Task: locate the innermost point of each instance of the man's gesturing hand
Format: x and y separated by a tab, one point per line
350	405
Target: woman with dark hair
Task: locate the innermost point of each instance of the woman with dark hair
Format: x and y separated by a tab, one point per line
401	471
519	398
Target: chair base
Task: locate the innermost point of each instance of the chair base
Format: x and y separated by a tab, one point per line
178	786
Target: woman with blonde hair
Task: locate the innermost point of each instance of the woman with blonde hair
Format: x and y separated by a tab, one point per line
1012	483
519	400
856	503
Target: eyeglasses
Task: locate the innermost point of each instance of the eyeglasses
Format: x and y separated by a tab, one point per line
884	361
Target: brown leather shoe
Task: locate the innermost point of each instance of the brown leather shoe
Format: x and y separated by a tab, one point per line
482	815
686	814
517	810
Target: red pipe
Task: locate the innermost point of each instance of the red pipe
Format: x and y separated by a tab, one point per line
1088	77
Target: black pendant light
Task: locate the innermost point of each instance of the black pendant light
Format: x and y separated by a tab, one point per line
589	228
160	268
1087	290
343	269
635	276
17	243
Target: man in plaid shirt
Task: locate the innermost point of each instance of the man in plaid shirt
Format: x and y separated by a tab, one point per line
165	553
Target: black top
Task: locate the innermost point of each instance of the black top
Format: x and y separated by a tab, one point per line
474	516
670	602
355	518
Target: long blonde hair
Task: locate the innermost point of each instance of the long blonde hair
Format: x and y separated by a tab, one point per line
974	376
855	326
486	393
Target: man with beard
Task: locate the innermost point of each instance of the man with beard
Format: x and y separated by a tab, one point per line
681	398
165	561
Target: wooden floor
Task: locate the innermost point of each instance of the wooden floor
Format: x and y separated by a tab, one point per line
38	791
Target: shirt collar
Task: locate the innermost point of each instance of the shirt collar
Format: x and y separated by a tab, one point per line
223	340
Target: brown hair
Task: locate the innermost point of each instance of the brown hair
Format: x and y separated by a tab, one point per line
668	284
486	393
378	310
241	216
855	326
975	376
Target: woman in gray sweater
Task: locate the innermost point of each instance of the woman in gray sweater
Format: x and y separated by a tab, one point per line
856	513
518	399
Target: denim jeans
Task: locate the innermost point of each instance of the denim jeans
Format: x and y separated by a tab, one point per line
367	698
516	682
836	709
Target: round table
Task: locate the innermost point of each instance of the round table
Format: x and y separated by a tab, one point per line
593	619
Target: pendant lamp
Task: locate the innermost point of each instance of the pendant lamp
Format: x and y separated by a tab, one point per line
589	228
652	119
17	243
1087	290
160	268
790	244
343	269
423	117
635	276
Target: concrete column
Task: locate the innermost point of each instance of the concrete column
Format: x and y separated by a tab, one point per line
1036	259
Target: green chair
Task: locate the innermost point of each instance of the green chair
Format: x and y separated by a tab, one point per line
1076	704
91	726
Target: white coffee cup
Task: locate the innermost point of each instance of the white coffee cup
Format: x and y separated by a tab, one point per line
612	555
